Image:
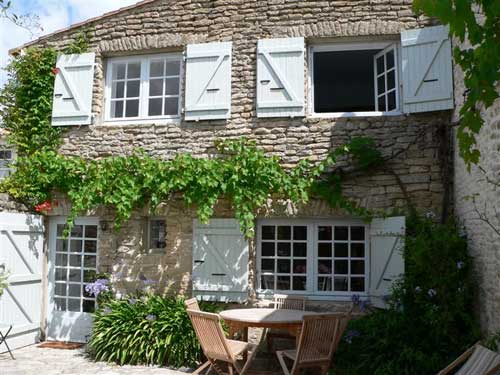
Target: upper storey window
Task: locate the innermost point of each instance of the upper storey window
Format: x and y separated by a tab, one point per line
355	79
143	87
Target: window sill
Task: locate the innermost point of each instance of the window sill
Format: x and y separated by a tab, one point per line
145	121
334	297
354	114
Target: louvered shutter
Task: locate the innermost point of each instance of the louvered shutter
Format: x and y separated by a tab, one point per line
208	81
280	77
386	257
427	69
220	261
72	102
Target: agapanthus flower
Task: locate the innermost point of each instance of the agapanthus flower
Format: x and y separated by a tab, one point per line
418	289
460	265
132	301
350	335
107	310
97	287
431	293
355	299
151	317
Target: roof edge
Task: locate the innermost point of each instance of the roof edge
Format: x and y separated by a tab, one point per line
16	50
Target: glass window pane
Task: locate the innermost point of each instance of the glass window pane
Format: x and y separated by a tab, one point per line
341	284
267	265
134	70
358	284
284	249
391	80
341	267
60	304
341	233
61	260
90	246
91	231
171	106
391	101
89	276
156	87
325	250
324	233
283	266
77	231
358	250
133	89
381	85
283	283
173	68
60	229
172	86
74	305
300	266
268	249
75	276
62	246
300	233
381	104
75	246
132	108
117	109
119	71
324	266
390	59
300	249
284	232
299	283
268	232
75	260
156	69
61	274
60	289
380	64
118	90
90	261
88	306
267	282
324	284
357	267
357	233
75	290
341	250
155	107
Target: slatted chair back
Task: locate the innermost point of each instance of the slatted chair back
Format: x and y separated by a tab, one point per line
211	336
192	304
481	362
283	301
318	339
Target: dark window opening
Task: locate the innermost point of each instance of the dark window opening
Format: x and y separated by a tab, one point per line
344	81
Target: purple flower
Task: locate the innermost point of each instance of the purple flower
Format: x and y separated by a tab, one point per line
151	317
350	335
149	282
97	287
430	215
460	265
418	289
132	301
355	299
363	305
431	293
107	310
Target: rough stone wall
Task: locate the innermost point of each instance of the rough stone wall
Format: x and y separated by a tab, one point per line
484	242
410	142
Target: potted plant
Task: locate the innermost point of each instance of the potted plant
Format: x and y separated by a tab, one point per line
4	275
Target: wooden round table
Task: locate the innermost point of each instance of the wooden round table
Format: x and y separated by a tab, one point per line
239	320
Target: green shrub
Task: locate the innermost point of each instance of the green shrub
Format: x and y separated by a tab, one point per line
146	329
431	317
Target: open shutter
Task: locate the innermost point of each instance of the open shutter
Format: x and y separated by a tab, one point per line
220	261
208	81
387	264
280	77
427	69
72	102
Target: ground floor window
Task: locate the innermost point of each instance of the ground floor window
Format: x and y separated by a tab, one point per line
313	257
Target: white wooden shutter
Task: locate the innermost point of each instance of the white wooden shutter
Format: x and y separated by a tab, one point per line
427	69
220	261
280	77
386	257
72	103
208	81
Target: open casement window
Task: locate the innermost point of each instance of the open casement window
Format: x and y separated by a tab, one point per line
386	78
72	101
7	157
280	77
427	69
145	87
208	81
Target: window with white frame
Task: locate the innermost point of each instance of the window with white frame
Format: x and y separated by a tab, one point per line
146	87
157	234
7	156
316	257
354	78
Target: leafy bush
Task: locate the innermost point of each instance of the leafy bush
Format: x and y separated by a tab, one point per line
430	320
4	276
147	329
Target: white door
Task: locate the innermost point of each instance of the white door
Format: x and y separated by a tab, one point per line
220	261
21	250
72	265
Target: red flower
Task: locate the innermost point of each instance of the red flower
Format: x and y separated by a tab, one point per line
44	207
55	71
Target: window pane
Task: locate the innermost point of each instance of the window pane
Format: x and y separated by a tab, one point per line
117	109
90	246
88	306
299	283
324	266
75	290
357	250
132	108
156	69
90	261
341	267
155	107
358	284
171	106
77	231
381	84
284	232
75	260
91	231
268	232
119	71
300	233
172	86
341	250
173	68
324	233
75	276
134	70
341	284
390	59
75	246
268	249
156	87
267	282
283	283
60	229
284	249
89	276
283	266
60	304
300	249
267	265
61	274
392	101
74	305
357	233
325	284
60	289
391	80
357	267
133	88
341	233
325	250
299	266
381	103
118	90
62	245
61	260
380	64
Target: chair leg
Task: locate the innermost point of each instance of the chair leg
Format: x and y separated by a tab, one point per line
202	367
281	360
3	339
251	352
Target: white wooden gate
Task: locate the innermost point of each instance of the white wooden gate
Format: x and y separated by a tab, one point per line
21	253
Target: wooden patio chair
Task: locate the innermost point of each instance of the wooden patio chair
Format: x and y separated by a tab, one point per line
218	348
192	304
477	360
283	301
318	341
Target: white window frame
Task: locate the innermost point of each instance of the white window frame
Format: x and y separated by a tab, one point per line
331	47
143	117
4	146
312	274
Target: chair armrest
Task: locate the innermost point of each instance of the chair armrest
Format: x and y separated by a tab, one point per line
463	357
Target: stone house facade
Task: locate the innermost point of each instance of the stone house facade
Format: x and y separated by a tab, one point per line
294	250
